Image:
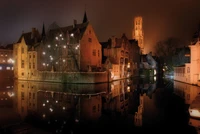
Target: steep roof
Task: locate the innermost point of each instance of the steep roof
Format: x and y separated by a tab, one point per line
85	19
77	29
31	38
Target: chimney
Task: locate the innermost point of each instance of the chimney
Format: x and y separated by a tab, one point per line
33	33
75	23
113	41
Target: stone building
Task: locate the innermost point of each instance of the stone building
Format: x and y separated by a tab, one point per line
6	57
121	57
138	33
73	48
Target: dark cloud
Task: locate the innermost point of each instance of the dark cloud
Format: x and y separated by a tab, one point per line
162	19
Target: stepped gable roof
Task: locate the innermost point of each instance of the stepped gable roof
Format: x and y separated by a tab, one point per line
119	41
77	29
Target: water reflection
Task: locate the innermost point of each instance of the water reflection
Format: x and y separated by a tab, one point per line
131	105
188	93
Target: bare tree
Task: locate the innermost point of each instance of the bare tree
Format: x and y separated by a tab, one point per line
166	49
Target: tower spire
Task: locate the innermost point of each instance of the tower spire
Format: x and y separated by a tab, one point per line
43	32
85	16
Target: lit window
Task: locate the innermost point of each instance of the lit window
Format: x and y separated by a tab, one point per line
1	68
8	68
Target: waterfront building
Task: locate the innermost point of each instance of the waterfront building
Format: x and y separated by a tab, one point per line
6	57
189	72
73	54
121	57
63	54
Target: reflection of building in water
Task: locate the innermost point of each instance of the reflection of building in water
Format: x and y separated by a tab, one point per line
195	123
149	112
6	93
186	91
138	114
54	99
117	100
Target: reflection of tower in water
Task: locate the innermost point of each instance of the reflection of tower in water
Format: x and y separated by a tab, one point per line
138	114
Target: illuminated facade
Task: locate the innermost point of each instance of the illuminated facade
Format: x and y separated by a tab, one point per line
121	57
6	57
63	54
190	72
137	33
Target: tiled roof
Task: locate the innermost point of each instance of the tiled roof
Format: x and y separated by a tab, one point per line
78	30
30	39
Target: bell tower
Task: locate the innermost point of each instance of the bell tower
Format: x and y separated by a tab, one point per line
138	33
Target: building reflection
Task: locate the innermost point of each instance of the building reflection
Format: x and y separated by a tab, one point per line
188	92
147	109
45	99
60	107
6	103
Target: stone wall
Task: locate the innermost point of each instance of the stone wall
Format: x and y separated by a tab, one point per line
71	77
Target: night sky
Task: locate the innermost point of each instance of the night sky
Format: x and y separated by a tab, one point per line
161	18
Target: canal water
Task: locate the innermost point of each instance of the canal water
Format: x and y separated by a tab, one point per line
137	105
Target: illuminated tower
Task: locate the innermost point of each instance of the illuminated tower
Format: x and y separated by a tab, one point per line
138	33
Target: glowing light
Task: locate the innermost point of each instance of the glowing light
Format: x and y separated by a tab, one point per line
43	115
154	78
128	89
56	38
60	35
51	109
11	94
56	62
49	46
155	72
64	46
63	60
10	60
128	66
43	64
72	35
56	101
63	108
47	101
43	104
